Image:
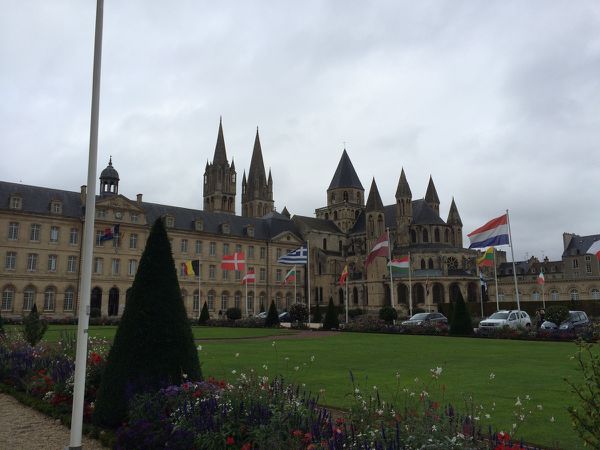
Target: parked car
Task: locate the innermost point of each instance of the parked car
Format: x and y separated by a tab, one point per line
577	322
261	315
433	319
505	318
285	317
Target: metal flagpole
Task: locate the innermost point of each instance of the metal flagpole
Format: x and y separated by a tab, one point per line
390	266
496	282
246	283
88	243
543	299
308	276
295	284
347	299
199	296
410	308
512	254
479	275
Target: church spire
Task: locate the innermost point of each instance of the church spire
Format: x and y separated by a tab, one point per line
453	216
345	175
220	156
431	196
403	189
374	202
219	179
257	193
257	166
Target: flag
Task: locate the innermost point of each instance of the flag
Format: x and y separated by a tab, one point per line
298	256
344	275
487	259
109	233
482	282
250	277
595	249
290	277
237	261
400	266
495	232
191	267
540	278
379	249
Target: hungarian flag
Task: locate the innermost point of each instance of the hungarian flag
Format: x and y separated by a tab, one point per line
250	277
400	266
191	267
290	277
379	249
487	259
540	278
343	276
237	261
595	249
109	233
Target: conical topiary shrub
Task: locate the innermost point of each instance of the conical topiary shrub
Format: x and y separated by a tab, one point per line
331	317
317	315
272	319
153	346
34	327
460	322
204	315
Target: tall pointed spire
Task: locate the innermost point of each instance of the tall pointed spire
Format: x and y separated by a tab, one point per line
345	176
257	166
403	189
431	196
220	156
453	216
374	202
257	196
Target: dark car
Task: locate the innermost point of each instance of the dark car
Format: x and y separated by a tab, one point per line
432	319
578	322
285	317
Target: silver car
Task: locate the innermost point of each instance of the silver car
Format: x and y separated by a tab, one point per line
506	318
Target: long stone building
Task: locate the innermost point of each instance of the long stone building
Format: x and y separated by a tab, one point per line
42	244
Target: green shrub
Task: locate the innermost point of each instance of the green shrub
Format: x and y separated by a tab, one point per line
460	324
233	313
204	315
272	319
1	325
355	312
331	317
34	327
153	345
388	313
299	312
557	314
317	315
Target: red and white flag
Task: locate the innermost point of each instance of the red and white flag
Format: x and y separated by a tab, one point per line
250	277
290	277
237	261
344	275
540	278
379	249
595	249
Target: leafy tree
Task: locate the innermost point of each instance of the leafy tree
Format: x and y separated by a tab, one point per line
153	346
299	312
388	313
272	316
460	323
1	325
233	313
204	315
557	314
34	327
331	317
317	315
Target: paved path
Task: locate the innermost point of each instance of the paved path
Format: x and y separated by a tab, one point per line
22	428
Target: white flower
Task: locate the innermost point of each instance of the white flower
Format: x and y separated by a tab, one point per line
492	376
312	358
237	355
356	390
265	367
273	344
527	397
518	402
487	416
514	426
233	371
199	348
184	375
374	388
296	368
540	407
552	419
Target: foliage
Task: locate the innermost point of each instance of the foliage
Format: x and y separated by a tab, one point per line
460	322
233	313
34	327
388	314
317	315
557	314
272	319
586	415
331	317
355	312
299	312
153	345
95	312
204	315
1	325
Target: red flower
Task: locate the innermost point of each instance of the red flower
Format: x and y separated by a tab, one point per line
247	446
308	438
297	433
230	440
95	358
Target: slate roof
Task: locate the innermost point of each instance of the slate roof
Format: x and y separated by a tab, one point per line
327	226
374	202
37	200
423	214
345	176
579	245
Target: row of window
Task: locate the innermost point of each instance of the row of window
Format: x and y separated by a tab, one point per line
227	249
115	266
102	214
16	202
32	265
237	275
553	294
29	296
35	233
239	301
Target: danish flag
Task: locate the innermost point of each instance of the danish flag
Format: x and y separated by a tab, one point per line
237	261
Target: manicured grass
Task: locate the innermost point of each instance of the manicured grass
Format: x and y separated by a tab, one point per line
520	368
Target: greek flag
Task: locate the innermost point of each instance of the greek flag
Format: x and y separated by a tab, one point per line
298	256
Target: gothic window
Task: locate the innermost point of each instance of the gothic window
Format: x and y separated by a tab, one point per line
436	235
595	294
413	236
574	294
335	215
430	264
423	264
425	236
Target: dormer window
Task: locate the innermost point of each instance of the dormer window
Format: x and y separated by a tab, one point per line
56	207
100	213
225	229
250	231
198	225
16	202
169	221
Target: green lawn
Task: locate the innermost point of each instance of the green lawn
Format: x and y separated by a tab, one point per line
519	368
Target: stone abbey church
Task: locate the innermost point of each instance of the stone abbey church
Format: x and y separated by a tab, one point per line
42	228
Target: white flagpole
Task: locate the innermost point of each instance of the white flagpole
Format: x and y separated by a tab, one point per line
543	299
88	244
480	288
308	276
512	254
347	299
295	283
246	283
199	287
496	282
392	300
410	306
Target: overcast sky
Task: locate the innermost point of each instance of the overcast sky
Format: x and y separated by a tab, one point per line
499	101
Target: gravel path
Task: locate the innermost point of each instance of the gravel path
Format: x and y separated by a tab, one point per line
22	428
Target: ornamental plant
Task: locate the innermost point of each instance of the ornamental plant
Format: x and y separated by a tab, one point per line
34	327
317	315
331	317
233	313
460	322
388	313
204	315
272	319
557	314
153	345
299	312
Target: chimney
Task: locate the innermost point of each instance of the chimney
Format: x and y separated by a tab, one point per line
567	238
139	199
82	194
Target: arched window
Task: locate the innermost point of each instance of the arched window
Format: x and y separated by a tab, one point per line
413	236
535	296
278	301
423	264
28	298
224	301
238	300
345	196
447	236
595	294
436	235
380	226
574	294
211	300
554	295
196	301
49	299
425	236
358	197
69	300
8	298
430	264
324	243
335	215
